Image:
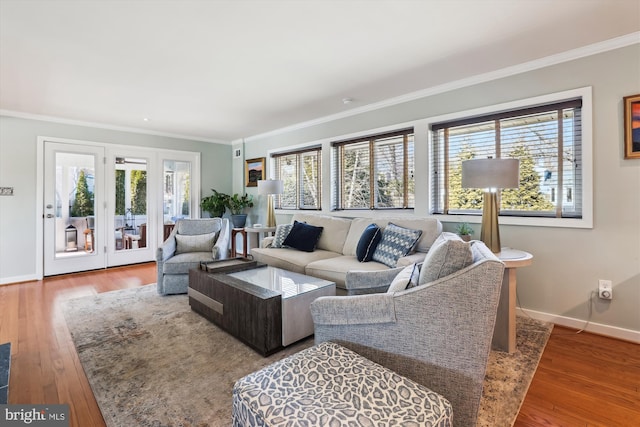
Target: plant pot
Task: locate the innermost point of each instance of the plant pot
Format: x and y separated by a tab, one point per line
465	237
239	220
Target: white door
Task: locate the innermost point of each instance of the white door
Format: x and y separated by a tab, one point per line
131	218
74	216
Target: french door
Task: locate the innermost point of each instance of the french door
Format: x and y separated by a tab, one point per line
74	203
107	205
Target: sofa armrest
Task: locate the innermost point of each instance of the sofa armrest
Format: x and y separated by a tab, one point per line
414	258
366	282
355	310
266	242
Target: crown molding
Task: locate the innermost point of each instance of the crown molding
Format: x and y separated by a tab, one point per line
44	118
570	55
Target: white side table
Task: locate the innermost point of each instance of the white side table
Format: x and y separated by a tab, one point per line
504	334
256	234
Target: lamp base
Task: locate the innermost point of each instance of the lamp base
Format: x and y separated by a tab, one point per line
271	212
490	233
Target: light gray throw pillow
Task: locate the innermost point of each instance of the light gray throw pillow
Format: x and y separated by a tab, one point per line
195	243
447	255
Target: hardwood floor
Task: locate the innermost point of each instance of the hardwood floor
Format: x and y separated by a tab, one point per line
582	380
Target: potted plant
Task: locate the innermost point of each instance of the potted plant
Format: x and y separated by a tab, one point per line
465	231
215	204
237	205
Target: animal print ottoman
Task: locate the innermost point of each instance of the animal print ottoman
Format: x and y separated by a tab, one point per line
329	385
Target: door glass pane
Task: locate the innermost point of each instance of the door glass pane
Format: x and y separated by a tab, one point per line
131	204
177	192
74	204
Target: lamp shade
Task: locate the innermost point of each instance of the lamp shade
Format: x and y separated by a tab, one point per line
491	173
270	186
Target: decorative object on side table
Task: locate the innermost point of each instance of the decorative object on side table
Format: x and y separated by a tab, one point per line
491	175
237	205
270	187
632	127
465	231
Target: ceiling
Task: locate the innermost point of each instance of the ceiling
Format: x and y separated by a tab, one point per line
221	70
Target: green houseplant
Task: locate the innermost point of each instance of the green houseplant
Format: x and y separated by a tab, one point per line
465	231
237	205
215	204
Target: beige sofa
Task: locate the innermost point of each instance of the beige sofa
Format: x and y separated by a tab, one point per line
335	254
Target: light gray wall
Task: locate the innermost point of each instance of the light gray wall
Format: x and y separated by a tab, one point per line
568	262
18	139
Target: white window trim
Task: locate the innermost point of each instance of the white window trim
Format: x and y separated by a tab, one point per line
587	159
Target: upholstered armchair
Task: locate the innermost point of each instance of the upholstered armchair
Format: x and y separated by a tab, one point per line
191	242
437	334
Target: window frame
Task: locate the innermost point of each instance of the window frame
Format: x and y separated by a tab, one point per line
299	153
337	183
586	221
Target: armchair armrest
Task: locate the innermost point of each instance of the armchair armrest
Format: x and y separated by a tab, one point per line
221	247
167	249
356	310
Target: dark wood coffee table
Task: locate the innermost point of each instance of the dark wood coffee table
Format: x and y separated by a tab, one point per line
265	307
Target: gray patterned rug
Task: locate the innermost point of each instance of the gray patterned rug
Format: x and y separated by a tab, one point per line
152	362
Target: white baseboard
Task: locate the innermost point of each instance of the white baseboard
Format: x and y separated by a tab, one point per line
17	279
596	328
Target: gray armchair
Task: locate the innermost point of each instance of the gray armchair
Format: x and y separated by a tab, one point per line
191	242
437	334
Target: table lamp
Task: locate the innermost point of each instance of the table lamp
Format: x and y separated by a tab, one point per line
490	175
270	187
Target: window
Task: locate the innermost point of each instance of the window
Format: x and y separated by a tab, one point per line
300	173
548	141
375	172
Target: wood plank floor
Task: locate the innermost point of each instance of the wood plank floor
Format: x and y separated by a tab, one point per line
582	380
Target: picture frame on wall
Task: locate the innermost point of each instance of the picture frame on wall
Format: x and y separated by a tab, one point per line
254	171
632	127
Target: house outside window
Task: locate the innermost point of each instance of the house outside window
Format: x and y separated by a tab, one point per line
375	172
547	139
300	172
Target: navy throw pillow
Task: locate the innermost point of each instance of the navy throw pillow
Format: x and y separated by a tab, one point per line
303	237
368	241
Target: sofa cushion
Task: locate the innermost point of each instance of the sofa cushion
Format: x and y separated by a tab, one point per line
335	269
182	263
335	230
431	228
290	259
407	278
303	236
447	255
396	242
195	243
368	242
282	231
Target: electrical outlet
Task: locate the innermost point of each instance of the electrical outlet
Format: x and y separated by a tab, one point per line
605	290
6	191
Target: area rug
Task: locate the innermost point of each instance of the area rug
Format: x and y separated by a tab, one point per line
151	361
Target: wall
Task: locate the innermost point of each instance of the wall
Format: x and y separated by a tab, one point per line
18	169
568	262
